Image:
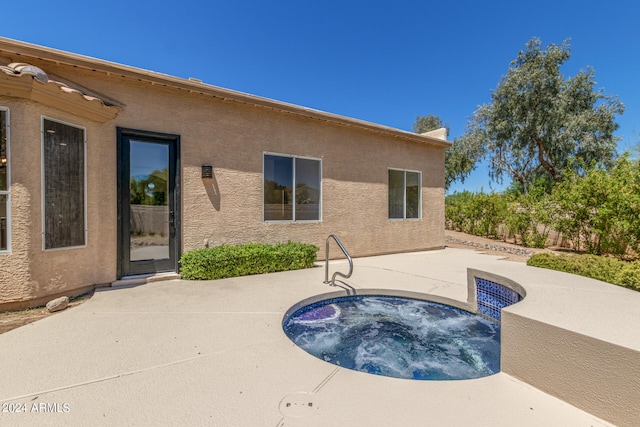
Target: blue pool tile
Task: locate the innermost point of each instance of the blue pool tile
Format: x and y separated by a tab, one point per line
492	297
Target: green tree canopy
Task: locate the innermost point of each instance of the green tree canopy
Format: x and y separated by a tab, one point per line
428	123
538	120
150	190
458	160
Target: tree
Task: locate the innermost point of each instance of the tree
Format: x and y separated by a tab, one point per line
149	190
458	163
600	210
538	120
428	123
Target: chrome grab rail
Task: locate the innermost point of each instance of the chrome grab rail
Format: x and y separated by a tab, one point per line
326	263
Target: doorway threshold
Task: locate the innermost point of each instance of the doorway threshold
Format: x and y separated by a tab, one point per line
141	279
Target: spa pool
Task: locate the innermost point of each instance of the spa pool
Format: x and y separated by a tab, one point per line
397	337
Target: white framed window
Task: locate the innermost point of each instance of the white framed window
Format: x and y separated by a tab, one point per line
64	201
5	182
292	188
405	194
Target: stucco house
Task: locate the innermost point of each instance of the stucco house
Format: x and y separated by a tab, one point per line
109	172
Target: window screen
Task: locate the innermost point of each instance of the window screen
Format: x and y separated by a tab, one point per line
404	194
64	192
4	181
292	189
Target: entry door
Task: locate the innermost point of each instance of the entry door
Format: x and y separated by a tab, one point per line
148	202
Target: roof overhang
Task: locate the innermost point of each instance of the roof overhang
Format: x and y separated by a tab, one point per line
196	86
55	94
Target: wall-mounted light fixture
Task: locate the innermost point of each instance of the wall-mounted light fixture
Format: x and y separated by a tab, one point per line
207	172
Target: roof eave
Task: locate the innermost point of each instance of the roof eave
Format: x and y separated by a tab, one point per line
196	86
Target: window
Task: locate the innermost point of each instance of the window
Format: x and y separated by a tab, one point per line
5	184
63	154
291	188
404	194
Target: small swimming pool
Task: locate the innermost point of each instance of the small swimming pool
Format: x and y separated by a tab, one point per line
397	337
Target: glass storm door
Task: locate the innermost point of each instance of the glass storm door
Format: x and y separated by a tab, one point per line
148	203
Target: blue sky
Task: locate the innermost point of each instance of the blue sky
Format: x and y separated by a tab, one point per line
380	61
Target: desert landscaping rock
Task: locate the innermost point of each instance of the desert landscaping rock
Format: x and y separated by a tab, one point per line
491	246
58	304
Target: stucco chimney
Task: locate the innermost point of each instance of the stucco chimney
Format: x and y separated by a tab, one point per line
438	133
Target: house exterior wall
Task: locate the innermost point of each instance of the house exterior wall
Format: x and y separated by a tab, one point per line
232	137
27	273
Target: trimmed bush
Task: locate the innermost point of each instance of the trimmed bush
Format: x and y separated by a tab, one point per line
243	260
611	270
629	276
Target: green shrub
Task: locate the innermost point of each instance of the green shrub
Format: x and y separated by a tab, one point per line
456	207
242	260
600	208
475	213
491	211
629	276
611	270
594	208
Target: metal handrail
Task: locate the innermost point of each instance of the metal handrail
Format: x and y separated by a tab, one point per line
326	264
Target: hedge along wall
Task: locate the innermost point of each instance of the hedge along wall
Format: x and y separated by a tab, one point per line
242	260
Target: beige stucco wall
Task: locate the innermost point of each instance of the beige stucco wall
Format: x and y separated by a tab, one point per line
591	374
231	136
570	337
28	272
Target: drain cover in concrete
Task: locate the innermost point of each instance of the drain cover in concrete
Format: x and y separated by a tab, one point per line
298	405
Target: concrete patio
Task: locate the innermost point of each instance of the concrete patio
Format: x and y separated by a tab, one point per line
214	353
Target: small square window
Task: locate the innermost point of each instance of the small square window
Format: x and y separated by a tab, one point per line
292	188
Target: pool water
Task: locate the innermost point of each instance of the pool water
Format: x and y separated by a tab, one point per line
398	337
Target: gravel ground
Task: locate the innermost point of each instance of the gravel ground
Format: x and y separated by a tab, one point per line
510	252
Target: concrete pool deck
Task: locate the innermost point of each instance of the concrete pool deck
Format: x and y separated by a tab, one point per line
214	353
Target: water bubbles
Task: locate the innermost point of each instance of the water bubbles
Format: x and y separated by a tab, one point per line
398	337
